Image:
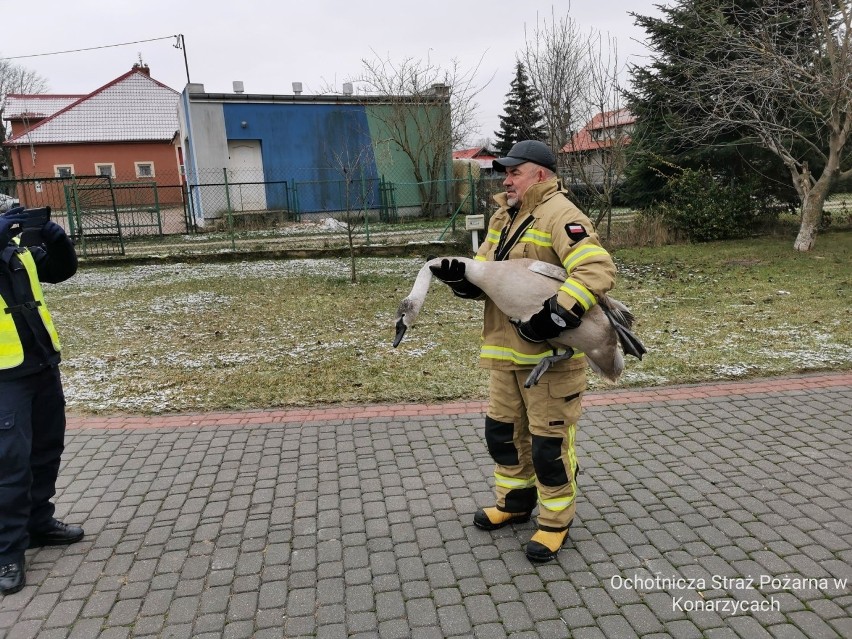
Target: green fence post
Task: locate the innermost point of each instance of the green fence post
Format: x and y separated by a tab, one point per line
115	211
364	202
383	211
157	207
230	215
296	202
188	210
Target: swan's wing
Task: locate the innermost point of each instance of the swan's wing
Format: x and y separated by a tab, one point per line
548	270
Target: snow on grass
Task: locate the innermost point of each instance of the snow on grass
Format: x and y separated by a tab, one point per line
87	280
176	337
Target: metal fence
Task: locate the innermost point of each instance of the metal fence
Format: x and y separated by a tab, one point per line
225	210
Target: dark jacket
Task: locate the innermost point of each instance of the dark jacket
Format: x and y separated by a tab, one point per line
55	263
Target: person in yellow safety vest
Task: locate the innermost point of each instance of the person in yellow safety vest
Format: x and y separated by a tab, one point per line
530	432
32	402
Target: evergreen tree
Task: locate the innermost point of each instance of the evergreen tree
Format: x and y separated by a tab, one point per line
662	144
522	119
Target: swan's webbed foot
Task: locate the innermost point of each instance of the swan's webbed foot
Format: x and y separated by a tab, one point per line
544	365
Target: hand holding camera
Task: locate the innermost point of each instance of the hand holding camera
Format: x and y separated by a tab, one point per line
11	223
34	224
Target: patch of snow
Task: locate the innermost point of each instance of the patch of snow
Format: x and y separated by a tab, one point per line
331	224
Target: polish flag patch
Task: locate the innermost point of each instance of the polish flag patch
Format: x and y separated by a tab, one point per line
576	232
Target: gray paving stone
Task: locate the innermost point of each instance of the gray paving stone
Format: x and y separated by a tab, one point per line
362	528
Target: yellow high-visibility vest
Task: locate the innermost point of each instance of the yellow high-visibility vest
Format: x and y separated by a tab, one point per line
11	348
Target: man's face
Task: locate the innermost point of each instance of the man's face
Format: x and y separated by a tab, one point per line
519	179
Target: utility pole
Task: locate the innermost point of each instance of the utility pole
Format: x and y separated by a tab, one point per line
180	43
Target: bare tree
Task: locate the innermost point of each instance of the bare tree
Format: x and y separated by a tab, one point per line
356	195
782	72
595	157
576	77
426	112
556	59
15	79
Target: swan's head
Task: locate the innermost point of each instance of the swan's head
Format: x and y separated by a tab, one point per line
405	315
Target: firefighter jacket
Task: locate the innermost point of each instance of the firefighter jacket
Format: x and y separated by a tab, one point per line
28	339
547	227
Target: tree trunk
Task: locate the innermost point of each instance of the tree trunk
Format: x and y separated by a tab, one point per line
812	214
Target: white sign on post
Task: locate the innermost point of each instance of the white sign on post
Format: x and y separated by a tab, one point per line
474	224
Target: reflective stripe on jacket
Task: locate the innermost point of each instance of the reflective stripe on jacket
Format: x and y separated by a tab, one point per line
11	349
590	269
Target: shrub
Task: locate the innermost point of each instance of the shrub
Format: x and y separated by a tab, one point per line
705	208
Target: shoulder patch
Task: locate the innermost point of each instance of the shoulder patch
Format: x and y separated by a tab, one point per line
576	232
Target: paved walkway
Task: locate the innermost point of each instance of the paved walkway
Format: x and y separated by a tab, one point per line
705	511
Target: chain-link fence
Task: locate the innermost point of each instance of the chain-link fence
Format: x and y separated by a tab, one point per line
226	210
102	212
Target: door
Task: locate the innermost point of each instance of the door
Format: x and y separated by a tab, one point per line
245	176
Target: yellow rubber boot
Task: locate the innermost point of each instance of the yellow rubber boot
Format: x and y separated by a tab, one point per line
492	518
545	544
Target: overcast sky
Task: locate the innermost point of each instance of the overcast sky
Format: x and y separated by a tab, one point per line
269	44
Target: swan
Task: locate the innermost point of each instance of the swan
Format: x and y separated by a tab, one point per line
519	288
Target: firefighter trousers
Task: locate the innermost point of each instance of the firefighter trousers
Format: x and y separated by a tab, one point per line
530	436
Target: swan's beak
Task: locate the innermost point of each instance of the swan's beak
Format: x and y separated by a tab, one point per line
400	332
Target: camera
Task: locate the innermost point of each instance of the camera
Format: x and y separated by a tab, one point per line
33	223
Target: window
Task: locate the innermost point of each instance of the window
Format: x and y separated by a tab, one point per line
144	169
63	170
107	170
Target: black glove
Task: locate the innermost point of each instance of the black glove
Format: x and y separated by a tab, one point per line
451	273
52	232
8	220
547	323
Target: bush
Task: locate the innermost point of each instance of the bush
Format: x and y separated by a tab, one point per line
706	209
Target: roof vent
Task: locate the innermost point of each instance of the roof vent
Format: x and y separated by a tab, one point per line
297	88
238	86
347	88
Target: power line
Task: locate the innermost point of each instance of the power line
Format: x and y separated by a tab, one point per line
106	46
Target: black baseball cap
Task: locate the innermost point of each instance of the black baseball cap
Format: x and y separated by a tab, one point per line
527	151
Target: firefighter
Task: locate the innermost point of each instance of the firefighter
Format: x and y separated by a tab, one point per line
530	432
32	402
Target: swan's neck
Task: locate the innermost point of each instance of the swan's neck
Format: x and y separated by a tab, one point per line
418	293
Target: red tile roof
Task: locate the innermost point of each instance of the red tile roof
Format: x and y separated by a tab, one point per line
132	108
480	154
584	139
39	105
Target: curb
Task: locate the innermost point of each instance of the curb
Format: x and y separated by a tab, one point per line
650	395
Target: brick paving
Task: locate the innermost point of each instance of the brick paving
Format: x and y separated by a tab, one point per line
713	511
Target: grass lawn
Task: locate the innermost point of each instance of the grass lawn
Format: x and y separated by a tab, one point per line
190	337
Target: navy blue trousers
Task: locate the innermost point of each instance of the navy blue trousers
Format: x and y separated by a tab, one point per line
32	438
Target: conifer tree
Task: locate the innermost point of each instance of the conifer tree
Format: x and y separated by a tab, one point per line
522	119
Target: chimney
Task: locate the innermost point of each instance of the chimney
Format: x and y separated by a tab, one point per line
238	86
297	88
347	88
143	68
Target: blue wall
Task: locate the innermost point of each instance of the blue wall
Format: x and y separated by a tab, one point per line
309	145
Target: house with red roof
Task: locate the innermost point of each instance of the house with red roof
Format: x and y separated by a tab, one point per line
589	155
481	155
126	129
